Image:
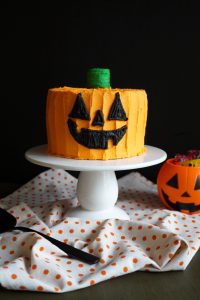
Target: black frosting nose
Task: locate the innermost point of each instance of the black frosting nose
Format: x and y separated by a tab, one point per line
98	119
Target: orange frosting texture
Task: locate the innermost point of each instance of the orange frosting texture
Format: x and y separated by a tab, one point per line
60	102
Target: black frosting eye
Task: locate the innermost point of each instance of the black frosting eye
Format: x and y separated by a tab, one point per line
79	109
173	182
197	184
117	111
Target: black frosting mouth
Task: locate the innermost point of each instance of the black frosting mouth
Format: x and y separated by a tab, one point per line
180	205
96	139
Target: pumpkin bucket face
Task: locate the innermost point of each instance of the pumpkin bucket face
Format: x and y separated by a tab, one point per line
179	187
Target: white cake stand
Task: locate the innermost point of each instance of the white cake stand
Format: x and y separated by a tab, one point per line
97	188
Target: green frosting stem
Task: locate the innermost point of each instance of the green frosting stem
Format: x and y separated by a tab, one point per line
98	78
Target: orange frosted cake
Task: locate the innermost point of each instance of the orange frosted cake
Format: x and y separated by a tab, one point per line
96	122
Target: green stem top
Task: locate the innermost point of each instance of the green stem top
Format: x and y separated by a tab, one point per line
98	78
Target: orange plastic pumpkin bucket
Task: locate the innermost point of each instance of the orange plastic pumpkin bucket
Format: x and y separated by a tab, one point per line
179	187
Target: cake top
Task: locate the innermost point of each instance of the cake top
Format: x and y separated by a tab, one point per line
79	90
96	79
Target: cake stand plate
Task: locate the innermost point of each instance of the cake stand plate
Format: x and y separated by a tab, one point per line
97	188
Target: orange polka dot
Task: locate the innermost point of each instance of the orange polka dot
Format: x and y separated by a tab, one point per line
14	238
181	263
123	237
91	250
69	271
135	260
56	289
139	227
40	288
22	287
87	222
125	269
113	264
58	276
148	249
144	238
69	283
171	255
176	242
98	239
34	267
82	230
46	271
92	270
102	261
154	237
60	231
119	227
14	276
41	248
130	228
80	265
71	230
134	238
164	235
12	252
103	272
92	282
3	247
100	250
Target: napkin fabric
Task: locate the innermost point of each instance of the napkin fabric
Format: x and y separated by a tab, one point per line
155	239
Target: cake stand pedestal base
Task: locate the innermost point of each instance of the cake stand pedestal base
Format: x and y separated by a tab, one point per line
113	213
97	193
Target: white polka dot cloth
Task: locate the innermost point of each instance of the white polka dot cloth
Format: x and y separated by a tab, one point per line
156	239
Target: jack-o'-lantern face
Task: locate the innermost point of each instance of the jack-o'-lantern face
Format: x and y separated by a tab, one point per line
179	187
97	139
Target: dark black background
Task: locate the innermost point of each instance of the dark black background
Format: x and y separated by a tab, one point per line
154	46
